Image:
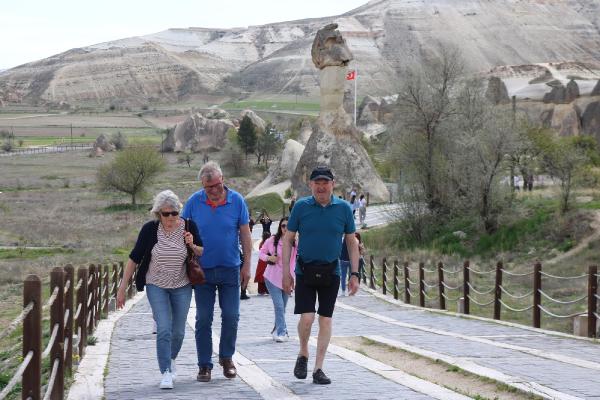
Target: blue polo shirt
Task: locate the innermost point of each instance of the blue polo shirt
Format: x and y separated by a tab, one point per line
320	229
219	227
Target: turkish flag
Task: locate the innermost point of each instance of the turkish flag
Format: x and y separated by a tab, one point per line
351	75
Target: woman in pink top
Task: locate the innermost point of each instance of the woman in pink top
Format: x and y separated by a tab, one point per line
271	252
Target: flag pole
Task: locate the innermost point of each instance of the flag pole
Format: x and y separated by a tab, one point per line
355	97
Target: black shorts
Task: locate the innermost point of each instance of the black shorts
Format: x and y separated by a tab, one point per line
306	297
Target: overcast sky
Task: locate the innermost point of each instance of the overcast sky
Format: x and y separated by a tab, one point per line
34	29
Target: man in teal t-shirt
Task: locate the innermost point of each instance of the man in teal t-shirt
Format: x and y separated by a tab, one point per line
321	220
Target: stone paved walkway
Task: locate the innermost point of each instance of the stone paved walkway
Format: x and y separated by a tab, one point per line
568	368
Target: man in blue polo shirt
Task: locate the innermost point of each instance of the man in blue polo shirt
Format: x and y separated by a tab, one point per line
222	219
321	220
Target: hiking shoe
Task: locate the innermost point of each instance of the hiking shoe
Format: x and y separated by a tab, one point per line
244	296
320	378
203	375
300	368
167	380
229	370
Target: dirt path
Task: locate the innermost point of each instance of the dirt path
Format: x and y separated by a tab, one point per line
595	224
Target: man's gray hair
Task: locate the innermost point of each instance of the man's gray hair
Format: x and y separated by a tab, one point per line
209	171
166	198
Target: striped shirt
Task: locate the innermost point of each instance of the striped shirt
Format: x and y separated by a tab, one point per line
167	265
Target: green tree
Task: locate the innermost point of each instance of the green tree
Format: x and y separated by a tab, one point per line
119	140
266	145
246	136
131	171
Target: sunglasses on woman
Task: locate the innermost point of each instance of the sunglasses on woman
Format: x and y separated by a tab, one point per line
169	213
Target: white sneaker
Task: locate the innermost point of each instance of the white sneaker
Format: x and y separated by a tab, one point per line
274	334
343	293
173	369
167	380
281	339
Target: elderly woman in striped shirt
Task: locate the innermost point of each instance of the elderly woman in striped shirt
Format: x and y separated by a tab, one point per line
159	254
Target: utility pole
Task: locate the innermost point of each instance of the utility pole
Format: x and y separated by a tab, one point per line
71	136
355	94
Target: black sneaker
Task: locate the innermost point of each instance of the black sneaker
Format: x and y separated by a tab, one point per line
320	378
244	296
300	368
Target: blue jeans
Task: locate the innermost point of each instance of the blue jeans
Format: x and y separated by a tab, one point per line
170	309
227	281
279	298
345	265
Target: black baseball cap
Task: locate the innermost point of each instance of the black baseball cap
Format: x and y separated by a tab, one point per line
321	172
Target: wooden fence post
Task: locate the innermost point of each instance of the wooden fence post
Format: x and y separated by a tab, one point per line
441	285
422	284
115	277
592	301
106	289
70	277
396	279
32	338
57	317
537	297
498	291
130	286
406	284
82	296
384	276
91	299
98	296
372	273
466	300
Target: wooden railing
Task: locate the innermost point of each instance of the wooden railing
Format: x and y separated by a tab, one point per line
76	307
415	286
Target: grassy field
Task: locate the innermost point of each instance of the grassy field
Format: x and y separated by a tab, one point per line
270	105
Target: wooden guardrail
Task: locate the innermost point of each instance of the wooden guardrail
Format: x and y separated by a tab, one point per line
76	305
439	289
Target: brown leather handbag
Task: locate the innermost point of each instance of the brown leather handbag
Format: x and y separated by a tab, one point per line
193	269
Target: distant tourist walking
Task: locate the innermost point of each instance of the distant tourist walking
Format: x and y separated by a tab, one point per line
160	252
272	253
261	266
362	210
222	219
321	221
265	221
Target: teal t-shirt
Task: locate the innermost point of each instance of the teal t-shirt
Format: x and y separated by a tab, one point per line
321	229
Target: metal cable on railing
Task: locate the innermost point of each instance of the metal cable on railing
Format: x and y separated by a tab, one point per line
479	292
562	277
66	317
410	282
66	347
451	272
428	286
412	269
514	296
557	315
51	381
430	297
410	293
444	295
478	303
51	299
481	272
561	301
17	321
89	299
516	309
90	279
450	287
516	273
67	286
17	376
429	271
78	286
51	341
76	315
597	316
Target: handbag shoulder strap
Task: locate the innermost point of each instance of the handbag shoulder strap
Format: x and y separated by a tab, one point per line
187	229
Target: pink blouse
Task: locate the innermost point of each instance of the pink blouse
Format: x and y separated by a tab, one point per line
274	272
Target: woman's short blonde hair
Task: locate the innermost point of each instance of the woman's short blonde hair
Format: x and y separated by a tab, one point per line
166	198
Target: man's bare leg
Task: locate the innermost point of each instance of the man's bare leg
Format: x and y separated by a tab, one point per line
304	327
323	339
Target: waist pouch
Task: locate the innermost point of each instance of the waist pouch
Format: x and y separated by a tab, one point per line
318	274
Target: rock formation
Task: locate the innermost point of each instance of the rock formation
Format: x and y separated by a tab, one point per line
496	91
280	173
572	91
590	120
258	122
305	132
565	120
336	142
368	111
596	89
197	134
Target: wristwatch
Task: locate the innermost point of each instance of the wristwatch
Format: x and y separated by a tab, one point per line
356	274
